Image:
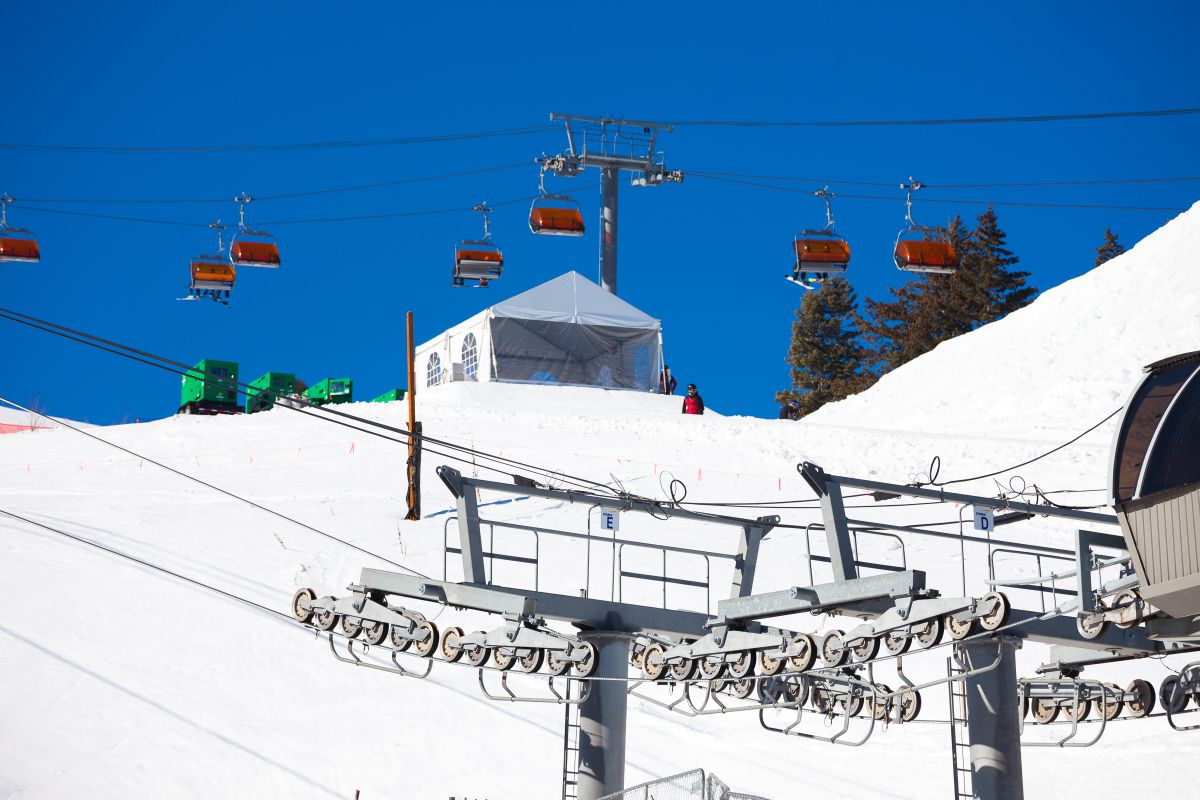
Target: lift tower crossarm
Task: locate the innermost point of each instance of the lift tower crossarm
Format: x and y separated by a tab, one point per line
612	145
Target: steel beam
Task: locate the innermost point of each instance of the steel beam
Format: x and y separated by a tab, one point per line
838	594
602	721
994	719
587	613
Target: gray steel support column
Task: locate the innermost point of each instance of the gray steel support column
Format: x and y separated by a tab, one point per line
994	719
602	721
608	229
837	533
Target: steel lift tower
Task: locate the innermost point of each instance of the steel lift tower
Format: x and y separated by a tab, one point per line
612	145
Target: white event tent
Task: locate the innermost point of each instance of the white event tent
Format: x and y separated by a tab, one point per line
566	331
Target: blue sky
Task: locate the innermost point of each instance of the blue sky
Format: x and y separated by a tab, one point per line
706	257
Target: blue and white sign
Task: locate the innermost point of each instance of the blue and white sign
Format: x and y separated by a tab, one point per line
610	520
984	519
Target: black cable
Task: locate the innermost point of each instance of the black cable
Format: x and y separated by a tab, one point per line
148	565
283	196
261	148
216	488
895	199
937	460
1165	112
893	184
179	368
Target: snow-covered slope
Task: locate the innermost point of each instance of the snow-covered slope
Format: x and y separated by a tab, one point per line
1065	359
119	681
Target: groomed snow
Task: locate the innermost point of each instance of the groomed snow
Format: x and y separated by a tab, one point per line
121	682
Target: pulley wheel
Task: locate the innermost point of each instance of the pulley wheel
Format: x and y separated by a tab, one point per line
426	648
822	703
742	666
796	690
1143	704
636	654
449	647
325	620
374	632
303	614
853	703
503	660
769	665
770	690
997	616
833	649
879	708
742	688
1089	626
929	634
351	626
586	666
531	660
556	665
710	668
1127	598
478	656
653	665
1044	710
958	630
910	705
1171	695
897	642
1085	709
400	639
865	649
1112	703
806	652
682	670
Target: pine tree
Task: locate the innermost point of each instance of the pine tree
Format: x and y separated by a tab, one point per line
930	309
1110	249
826	356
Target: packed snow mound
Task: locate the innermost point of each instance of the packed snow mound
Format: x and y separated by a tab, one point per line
1061	363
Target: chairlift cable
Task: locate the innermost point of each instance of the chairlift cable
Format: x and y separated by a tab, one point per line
892	184
259	148
179	368
1164	112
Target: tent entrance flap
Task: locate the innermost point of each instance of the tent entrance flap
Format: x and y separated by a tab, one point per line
572	353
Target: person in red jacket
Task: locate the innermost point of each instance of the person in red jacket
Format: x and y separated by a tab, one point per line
693	403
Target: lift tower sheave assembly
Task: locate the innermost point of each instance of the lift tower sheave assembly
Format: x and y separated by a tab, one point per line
611	145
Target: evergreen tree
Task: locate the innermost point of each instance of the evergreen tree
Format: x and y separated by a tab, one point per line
929	309
1110	249
826	356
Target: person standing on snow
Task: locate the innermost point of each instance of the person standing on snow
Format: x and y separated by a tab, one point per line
790	409
666	381
693	403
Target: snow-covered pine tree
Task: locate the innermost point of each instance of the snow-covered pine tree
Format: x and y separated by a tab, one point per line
1110	249
825	356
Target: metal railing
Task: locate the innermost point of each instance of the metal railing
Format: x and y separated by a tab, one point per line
1036	586
818	526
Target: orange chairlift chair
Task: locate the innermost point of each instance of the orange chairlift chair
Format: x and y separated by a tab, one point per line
249	248
478	259
819	253
212	275
918	248
554	214
16	244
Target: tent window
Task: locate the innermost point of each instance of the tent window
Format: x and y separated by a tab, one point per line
433	370
641	368
470	357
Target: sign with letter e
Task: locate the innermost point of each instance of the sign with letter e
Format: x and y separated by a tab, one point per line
610	520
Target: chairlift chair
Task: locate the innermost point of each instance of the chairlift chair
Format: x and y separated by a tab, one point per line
918	248
478	259
250	248
554	214
820	253
212	275
16	244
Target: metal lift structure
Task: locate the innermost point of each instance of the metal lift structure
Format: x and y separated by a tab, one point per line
613	146
696	663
